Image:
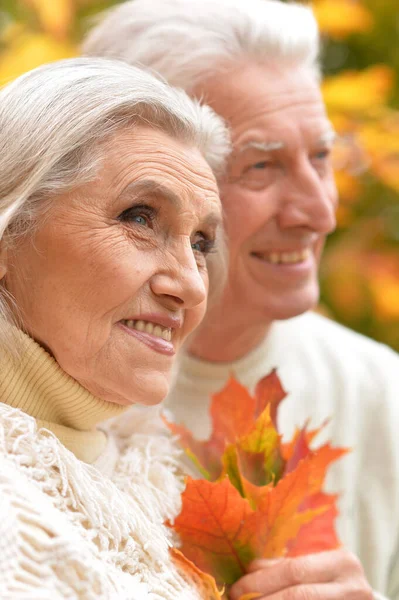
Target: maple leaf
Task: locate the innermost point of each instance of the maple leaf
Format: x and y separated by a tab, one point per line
287	507
269	392
319	535
266	498
260	450
233	414
212	528
222	533
205	584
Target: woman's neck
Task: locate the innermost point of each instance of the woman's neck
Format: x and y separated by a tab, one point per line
33	382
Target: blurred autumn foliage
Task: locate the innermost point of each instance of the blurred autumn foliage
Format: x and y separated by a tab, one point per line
360	271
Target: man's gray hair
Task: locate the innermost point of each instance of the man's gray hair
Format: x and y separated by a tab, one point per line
186	41
54	118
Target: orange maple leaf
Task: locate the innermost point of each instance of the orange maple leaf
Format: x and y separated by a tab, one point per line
213	531
204	583
266	498
288	506
233	414
319	535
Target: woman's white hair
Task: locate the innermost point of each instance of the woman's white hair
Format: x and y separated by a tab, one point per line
54	119
186	41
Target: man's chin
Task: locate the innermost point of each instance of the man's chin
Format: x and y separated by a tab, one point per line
290	307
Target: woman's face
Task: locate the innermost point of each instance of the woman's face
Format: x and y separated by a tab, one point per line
115	277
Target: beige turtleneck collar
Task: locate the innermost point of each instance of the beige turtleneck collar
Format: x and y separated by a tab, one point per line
36	384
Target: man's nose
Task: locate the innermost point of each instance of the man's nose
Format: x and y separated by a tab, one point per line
178	281
308	200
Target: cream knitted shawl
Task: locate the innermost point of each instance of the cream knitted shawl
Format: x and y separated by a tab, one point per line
67	531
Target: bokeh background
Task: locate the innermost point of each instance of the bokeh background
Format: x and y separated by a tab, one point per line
360	270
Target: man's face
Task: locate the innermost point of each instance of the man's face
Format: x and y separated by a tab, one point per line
279	196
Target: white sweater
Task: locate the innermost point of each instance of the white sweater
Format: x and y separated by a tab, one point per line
76	531
329	372
69	532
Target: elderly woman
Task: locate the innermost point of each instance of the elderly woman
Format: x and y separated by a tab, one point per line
108	212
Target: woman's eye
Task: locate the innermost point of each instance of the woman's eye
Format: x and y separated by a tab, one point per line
203	245
140	220
142	215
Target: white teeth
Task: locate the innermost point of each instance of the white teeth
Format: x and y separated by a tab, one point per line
166	335
149	328
156	330
139	325
273	258
285	258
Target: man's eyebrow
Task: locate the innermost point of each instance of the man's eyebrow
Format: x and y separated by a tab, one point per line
263	146
151	186
328	137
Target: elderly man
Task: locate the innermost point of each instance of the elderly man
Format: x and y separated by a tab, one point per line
256	63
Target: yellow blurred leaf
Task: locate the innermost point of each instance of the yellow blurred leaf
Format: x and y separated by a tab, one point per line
383	281
385	293
347	289
55	16
339	18
349	187
387	170
381	137
381	141
30	50
354	91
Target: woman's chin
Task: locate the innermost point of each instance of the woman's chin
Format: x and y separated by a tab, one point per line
149	391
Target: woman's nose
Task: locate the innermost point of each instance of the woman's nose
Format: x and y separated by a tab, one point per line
179	282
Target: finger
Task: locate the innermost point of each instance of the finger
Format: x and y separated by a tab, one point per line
262	563
272	577
327	591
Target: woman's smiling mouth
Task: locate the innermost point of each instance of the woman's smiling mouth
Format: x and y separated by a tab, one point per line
164	333
155	331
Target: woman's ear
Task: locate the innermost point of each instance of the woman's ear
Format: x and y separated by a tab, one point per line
3	259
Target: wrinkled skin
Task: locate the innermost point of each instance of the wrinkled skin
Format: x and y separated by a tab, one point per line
113	250
334	575
280	200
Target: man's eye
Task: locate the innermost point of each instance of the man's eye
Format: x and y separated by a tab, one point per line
142	215
261	165
322	154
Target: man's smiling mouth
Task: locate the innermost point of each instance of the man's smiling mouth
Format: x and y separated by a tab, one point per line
284	258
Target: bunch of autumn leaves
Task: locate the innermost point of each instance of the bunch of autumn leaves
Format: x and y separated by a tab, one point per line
259	497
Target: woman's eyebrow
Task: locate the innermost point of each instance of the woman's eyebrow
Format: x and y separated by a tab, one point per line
151	186
213	220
